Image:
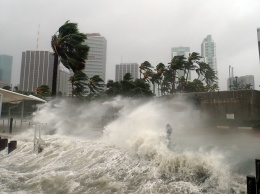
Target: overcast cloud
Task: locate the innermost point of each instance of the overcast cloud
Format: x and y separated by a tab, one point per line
139	30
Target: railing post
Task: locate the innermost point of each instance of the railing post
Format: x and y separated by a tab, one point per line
257	172
11	125
251	184
3	144
12	146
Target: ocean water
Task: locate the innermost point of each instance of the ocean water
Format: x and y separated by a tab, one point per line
129	155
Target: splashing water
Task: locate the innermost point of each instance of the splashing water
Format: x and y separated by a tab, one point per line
129	156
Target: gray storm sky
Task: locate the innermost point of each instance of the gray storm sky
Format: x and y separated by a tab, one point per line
139	30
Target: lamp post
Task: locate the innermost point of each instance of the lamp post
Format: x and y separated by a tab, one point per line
236	83
229	78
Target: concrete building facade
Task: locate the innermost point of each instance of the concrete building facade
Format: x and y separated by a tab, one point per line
6	63
208	52
96	61
123	68
37	70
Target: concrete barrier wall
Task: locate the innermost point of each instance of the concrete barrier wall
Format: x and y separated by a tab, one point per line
244	104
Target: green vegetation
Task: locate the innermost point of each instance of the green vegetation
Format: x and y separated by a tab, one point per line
43	91
69	48
129	88
167	77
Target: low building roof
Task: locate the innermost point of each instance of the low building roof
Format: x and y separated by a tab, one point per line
16	98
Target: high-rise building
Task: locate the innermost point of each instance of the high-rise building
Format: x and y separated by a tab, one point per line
63	84
242	82
123	68
37	70
258	38
96	61
178	51
6	63
208	52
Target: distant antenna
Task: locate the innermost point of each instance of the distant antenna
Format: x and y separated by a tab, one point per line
38	35
121	59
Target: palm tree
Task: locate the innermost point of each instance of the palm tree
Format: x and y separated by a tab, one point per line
69	48
128	77
95	85
79	84
210	76
144	67
177	63
190	64
201	68
160	68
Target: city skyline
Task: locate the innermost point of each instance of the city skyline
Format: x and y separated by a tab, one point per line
149	37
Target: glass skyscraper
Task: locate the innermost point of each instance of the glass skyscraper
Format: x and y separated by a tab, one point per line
6	63
208	52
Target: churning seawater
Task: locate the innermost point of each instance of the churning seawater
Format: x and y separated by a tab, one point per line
73	165
130	156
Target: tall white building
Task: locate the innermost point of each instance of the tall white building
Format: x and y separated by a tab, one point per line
208	52
123	68
96	61
37	70
178	51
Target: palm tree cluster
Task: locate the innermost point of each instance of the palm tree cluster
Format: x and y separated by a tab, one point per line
167	78
70	49
128	87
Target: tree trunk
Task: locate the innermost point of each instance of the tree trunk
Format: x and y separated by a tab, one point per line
173	83
55	75
159	89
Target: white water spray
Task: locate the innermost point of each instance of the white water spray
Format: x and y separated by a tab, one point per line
129	155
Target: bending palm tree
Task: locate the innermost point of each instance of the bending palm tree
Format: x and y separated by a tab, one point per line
79	84
144	67
177	63
95	85
160	68
68	46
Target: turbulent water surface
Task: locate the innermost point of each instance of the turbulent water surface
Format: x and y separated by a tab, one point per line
129	156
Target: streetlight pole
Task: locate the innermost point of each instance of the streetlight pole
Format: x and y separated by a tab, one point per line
236	83
229	78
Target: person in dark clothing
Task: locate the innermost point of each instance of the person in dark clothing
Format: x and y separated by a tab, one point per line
169	133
